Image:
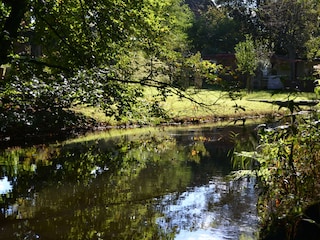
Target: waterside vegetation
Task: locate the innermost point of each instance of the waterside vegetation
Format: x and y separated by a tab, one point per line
71	67
286	164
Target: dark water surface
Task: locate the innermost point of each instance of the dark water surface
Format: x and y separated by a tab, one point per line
154	184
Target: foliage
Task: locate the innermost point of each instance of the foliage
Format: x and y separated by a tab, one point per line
247	60
242	160
12	13
287	157
34	105
291	27
214	31
286	24
242	12
246	56
193	71
313	46
289	24
317	81
69	52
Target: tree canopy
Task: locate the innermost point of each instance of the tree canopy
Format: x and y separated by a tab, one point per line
61	52
215	32
247	59
290	24
83	34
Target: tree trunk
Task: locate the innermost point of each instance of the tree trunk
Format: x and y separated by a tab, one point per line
11	26
249	82
292	62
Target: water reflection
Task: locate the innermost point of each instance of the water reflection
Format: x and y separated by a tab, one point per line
217	210
5	185
169	185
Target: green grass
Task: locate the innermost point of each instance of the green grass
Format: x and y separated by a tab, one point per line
95	113
216	104
220	104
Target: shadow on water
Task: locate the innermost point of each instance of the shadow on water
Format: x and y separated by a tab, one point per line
157	185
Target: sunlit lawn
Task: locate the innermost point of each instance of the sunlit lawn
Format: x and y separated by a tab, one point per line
219	104
216	104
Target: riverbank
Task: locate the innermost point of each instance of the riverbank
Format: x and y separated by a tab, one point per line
198	107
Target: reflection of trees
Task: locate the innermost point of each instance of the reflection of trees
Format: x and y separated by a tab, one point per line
107	188
214	147
96	189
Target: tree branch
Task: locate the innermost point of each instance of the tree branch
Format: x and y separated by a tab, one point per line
173	88
72	49
41	63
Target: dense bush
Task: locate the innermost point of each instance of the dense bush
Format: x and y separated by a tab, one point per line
289	158
31	104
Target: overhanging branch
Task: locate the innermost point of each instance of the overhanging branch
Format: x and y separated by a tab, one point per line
174	89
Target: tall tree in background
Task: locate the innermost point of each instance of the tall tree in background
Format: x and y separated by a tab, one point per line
289	25
243	12
214	31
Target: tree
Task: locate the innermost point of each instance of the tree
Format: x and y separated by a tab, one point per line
313	44
12	13
215	32
243	12
88	48
289	25
246	58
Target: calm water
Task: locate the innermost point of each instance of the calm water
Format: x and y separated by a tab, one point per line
153	185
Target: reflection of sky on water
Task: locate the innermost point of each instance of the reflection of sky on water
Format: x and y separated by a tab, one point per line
217	210
5	185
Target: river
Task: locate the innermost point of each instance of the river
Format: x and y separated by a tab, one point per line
153	183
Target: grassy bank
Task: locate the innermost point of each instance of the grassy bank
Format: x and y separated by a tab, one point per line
214	105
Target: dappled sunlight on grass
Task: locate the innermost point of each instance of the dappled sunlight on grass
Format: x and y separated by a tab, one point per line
219	104
208	104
